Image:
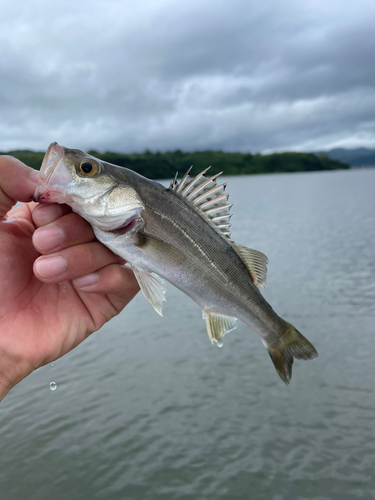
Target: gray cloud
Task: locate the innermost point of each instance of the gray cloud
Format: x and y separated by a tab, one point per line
163	75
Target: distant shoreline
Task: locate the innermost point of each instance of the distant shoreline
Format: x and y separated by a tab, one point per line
165	165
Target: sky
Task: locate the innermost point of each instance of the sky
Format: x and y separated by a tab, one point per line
238	75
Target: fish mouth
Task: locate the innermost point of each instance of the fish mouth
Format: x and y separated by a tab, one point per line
52	157
51	186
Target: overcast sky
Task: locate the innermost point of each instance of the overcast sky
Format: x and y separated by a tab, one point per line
236	75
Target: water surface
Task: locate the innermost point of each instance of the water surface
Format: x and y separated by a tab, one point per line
148	409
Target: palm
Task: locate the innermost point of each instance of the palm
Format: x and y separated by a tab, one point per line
42	322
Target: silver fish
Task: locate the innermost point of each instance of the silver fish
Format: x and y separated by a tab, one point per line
180	234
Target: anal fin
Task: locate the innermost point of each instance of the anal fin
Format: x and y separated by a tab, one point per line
152	288
218	325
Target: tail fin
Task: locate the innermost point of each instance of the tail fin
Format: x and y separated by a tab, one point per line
290	345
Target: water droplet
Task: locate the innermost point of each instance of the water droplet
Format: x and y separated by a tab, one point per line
53	386
51	364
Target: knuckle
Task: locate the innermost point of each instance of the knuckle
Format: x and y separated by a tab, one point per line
113	279
118	279
5	382
77	227
91	256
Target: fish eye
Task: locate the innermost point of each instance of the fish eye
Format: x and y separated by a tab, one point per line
88	168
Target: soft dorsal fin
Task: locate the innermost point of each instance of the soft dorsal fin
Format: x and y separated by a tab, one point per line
207	198
256	262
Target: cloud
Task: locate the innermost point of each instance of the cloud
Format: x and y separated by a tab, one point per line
238	75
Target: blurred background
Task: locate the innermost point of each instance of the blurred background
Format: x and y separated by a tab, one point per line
147	408
207	74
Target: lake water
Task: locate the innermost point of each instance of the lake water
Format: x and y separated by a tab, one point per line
147	408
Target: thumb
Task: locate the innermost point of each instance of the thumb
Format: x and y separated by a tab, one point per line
17	183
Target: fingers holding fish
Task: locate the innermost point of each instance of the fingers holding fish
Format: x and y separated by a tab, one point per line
45	213
73	262
116	280
78	256
64	232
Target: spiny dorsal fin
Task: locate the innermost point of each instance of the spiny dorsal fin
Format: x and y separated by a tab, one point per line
218	325
207	198
174	182
152	288
256	262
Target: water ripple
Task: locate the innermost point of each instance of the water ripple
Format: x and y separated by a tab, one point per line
145	411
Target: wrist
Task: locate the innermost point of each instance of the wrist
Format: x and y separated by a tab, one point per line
12	371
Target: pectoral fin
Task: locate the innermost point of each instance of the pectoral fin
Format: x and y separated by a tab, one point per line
218	325
152	288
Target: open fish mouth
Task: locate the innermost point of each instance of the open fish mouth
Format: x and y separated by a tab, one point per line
52	157
53	176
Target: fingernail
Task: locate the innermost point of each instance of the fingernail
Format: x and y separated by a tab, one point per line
49	267
48	238
88	280
45	214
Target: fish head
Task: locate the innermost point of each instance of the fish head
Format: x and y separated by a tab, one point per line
88	185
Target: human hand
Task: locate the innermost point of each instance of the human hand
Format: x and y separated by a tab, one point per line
58	284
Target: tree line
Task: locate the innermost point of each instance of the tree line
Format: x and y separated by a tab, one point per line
157	165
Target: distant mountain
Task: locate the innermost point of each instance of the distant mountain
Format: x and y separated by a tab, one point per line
360	157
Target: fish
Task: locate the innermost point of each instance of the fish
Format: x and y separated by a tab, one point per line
178	234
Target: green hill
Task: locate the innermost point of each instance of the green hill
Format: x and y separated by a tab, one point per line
165	165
